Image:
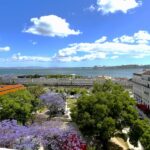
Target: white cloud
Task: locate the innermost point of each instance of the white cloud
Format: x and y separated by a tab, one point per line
19	57
92	56
112	6
124	39
102	48
101	40
51	26
92	8
140	55
4	49
127	39
116	40
141	37
114	57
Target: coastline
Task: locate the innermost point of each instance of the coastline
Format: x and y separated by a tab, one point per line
81	71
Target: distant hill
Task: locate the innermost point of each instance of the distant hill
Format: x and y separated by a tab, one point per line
95	67
28	67
124	67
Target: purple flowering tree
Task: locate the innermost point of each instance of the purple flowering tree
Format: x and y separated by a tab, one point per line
52	135
55	103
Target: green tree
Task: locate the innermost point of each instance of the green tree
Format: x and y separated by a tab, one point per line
145	139
140	131
17	105
36	90
105	111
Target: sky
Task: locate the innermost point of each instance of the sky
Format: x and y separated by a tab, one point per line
74	33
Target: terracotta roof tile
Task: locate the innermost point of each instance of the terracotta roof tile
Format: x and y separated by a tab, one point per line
5	89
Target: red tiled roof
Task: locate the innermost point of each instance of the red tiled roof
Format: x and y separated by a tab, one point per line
146	72
5	89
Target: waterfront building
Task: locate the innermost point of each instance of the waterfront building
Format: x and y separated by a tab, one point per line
103	77
141	88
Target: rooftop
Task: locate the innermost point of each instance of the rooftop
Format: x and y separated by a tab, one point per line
144	72
5	89
147	72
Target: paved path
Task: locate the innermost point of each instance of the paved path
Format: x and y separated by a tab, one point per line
67	111
120	142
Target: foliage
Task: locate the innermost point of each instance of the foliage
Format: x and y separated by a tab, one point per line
71	103
68	141
54	102
36	90
30	76
50	76
106	110
18	105
70	90
73	91
62	76
50	134
140	131
145	139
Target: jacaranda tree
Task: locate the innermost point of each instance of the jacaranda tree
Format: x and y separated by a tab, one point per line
55	103
50	135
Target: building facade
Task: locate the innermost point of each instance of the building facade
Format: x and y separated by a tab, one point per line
141	88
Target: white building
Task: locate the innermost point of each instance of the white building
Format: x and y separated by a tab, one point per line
141	87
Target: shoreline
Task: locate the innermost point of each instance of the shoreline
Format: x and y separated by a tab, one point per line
85	72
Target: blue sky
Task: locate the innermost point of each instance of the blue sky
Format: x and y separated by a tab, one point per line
73	33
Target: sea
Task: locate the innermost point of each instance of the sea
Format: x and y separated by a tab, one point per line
88	72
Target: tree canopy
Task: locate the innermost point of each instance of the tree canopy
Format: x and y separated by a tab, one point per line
140	131
103	112
37	91
49	134
18	105
55	103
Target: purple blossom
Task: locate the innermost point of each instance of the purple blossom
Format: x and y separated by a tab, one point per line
51	134
53	99
55	102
